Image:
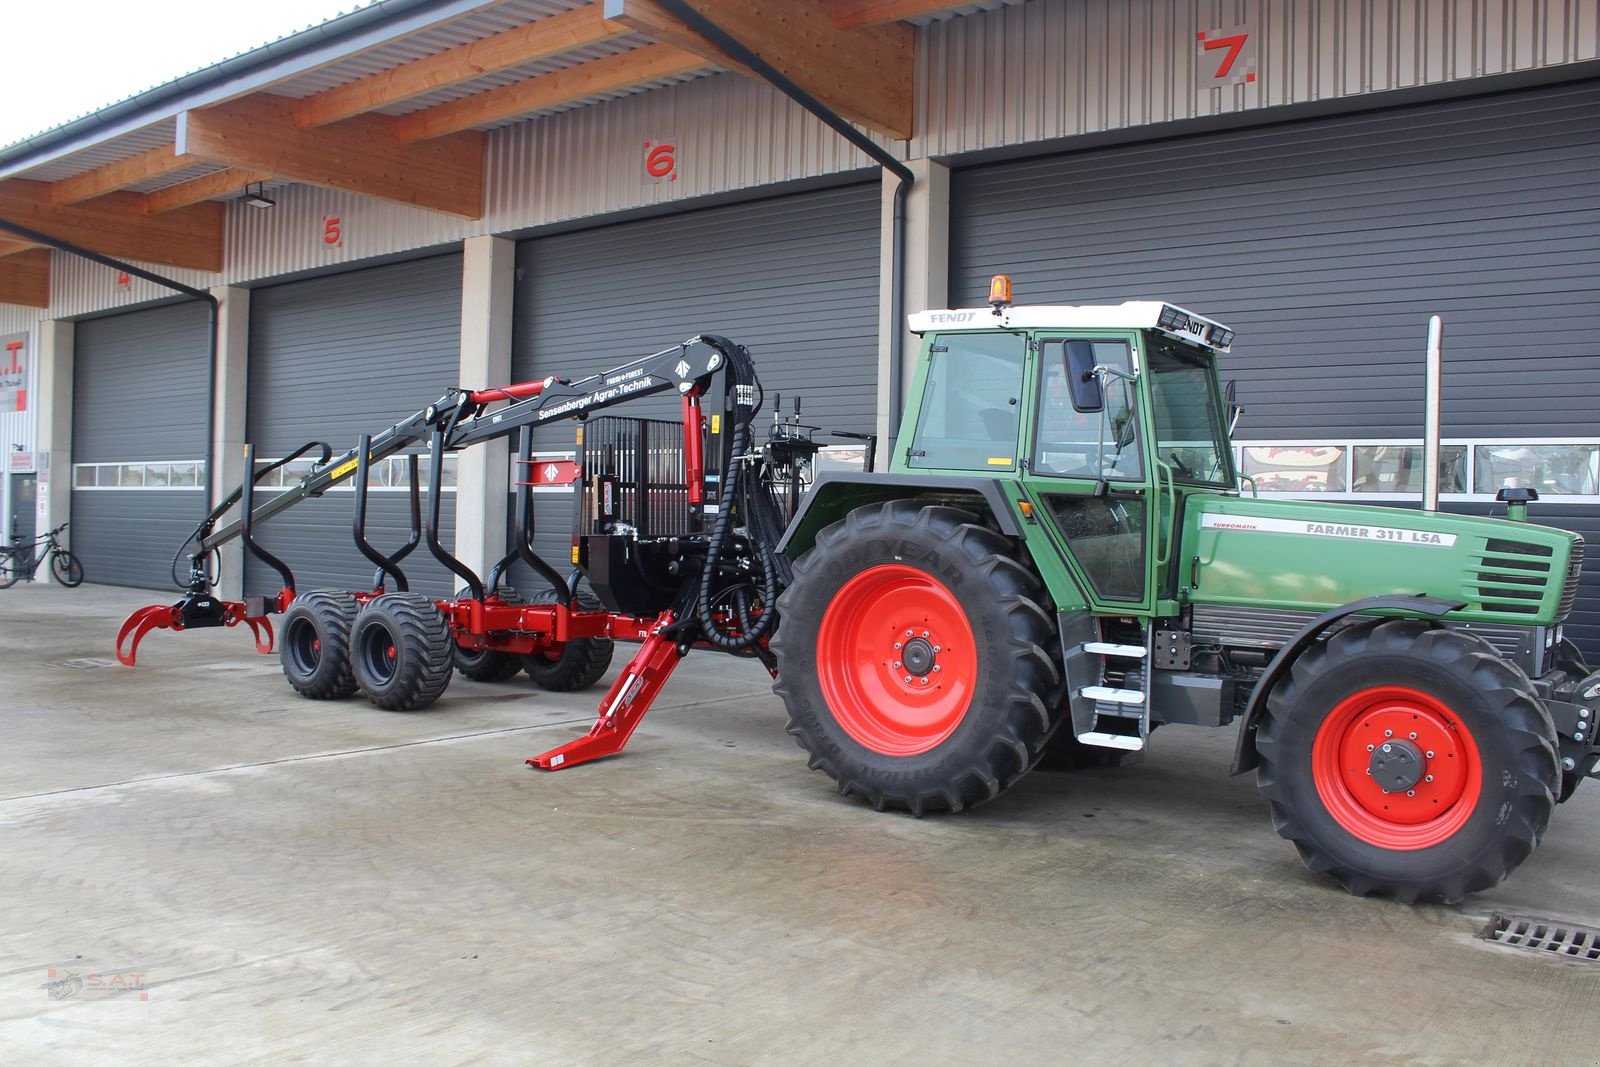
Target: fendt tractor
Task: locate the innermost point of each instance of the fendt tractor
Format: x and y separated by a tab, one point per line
1058	560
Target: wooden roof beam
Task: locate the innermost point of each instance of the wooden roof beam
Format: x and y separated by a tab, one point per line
866	75
608	75
543	39
360	155
25	278
10	246
116	225
854	14
118	175
203	188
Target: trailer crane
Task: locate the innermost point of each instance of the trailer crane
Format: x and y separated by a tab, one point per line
678	533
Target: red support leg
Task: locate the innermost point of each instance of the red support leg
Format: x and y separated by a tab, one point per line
624	705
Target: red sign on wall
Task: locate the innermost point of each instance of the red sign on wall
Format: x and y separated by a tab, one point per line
1225	57
333	231
661	161
14	373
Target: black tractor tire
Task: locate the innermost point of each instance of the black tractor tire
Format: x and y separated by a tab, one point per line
1468	719
314	644
485	665
580	663
402	651
66	568
917	658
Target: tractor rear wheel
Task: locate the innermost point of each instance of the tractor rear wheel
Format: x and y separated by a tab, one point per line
916	658
1407	759
579	663
314	645
401	651
486	665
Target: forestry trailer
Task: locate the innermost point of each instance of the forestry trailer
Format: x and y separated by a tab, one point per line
1057	562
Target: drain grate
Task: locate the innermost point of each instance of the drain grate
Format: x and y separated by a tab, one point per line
82	664
1546	935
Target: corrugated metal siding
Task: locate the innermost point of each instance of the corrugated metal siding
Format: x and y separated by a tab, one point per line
330	359
1326	245
81	287
1060	68
795	279
139	393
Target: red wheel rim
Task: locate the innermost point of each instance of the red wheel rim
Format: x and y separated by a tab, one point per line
1441	801
883	617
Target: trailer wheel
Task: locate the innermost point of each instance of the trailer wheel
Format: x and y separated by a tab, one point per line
579	663
400	649
314	645
486	665
1408	759
916	660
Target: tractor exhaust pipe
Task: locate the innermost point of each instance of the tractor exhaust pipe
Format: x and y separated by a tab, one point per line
1430	419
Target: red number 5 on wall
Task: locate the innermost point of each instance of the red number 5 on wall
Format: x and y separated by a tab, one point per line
1225	57
332	231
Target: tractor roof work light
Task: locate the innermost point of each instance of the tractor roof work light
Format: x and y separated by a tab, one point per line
1000	292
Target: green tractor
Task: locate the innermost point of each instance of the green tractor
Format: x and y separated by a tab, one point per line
1059	560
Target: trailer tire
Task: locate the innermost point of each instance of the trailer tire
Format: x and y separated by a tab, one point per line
1476	749
580	663
487	665
401	651
962	708
314	645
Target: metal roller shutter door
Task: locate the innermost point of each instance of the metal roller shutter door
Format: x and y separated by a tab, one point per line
794	279
330	359
1326	244
139	396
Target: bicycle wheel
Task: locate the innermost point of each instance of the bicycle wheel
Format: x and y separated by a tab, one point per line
65	566
10	569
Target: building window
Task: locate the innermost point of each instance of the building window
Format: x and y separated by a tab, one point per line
179	474
1383	471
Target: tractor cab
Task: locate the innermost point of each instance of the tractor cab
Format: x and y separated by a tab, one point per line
1103	418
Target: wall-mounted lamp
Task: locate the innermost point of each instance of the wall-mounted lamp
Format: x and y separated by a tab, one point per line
254	196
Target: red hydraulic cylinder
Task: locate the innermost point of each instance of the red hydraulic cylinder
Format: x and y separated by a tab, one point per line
519	391
694	448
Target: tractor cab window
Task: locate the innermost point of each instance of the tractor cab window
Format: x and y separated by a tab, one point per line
1069	442
1190	434
970	406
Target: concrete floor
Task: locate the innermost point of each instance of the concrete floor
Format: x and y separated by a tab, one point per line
214	870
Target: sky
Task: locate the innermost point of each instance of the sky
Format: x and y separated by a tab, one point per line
65	58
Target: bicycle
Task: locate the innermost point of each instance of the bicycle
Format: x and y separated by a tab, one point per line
22	561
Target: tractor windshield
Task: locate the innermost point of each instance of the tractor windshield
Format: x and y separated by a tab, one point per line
1189	429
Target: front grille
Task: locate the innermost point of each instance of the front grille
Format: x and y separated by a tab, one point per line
1513	576
1569	593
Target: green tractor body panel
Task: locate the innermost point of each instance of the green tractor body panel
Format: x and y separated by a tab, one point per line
1311	556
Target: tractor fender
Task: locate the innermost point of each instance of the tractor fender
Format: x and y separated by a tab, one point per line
1244	753
837	493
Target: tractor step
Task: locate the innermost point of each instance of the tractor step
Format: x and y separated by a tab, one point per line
1112	696
1105	740
1107	648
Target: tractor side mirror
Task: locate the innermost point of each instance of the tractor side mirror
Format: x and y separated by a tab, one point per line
1082	381
1235	409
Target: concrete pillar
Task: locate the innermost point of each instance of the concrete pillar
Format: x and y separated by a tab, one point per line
483	481
54	427
228	413
927	278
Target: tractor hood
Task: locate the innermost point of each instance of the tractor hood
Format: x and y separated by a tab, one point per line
1309	555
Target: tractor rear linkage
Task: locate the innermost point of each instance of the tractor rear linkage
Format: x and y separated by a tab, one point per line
728	578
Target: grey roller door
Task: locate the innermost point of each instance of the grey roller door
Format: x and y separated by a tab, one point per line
794	279
139	402
1327	244
335	357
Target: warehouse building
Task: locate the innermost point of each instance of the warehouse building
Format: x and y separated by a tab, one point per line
431	192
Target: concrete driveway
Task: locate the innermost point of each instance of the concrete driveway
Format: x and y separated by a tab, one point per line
198	866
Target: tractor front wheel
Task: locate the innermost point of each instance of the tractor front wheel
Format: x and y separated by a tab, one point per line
1408	759
314	645
916	659
402	651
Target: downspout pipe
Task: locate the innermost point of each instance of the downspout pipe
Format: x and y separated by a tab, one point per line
897	256
212	306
